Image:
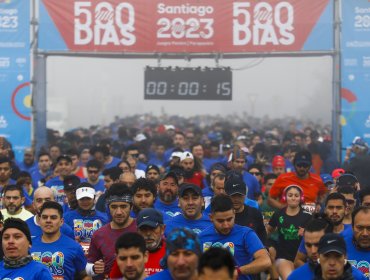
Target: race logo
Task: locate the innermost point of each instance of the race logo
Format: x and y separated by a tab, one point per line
84	229
54	261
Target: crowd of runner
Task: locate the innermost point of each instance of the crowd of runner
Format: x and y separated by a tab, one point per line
186	198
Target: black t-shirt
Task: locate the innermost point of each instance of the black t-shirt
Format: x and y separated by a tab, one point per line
251	217
288	227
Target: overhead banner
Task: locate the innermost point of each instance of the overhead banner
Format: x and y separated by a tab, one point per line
355	71
15	94
194	26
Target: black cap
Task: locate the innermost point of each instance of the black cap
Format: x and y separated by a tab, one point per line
188	186
18	224
149	217
346	180
152	166
64	157
218	166
332	242
303	157
169	174
235	185
71	182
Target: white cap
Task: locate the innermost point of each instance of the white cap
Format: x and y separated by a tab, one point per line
85	192
176	154
186	155
140	137
169	126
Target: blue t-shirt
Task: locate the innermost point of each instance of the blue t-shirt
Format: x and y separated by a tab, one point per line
346	232
171	210
64	257
31	271
242	242
28	168
305	272
36	178
163	275
357	257
207	194
195	225
84	227
252	184
113	163
99	186
36	229
58	188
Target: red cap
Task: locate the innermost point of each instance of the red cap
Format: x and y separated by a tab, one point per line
337	172
278	161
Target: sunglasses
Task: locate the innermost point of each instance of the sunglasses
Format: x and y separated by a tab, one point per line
302	165
256	173
134	155
93	171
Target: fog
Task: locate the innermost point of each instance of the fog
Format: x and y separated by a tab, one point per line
92	91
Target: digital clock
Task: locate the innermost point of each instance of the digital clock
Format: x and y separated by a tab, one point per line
178	83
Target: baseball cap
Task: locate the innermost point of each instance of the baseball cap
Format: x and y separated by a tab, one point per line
71	182
235	185
188	186
278	161
326	178
149	217
218	166
64	157
169	174
140	137
337	172
85	190
302	157
152	166
169	126
176	154
332	242
186	155
347	180
359	142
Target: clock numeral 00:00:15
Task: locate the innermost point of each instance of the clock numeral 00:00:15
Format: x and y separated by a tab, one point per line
185	88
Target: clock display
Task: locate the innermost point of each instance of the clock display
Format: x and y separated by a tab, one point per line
178	83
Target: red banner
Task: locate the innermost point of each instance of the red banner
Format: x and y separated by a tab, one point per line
179	26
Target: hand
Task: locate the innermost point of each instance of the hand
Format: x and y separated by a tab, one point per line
99	267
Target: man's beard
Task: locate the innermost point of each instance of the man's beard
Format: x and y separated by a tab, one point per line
13	209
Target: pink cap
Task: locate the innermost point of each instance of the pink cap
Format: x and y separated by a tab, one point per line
337	172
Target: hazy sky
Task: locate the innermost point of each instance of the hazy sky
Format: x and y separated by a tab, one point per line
95	90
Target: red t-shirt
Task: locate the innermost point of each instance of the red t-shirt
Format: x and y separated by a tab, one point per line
312	187
103	242
151	267
196	179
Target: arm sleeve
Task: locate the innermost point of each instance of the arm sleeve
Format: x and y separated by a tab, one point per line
94	251
252	242
277	188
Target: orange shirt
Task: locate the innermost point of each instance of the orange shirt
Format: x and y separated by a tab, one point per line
312	187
